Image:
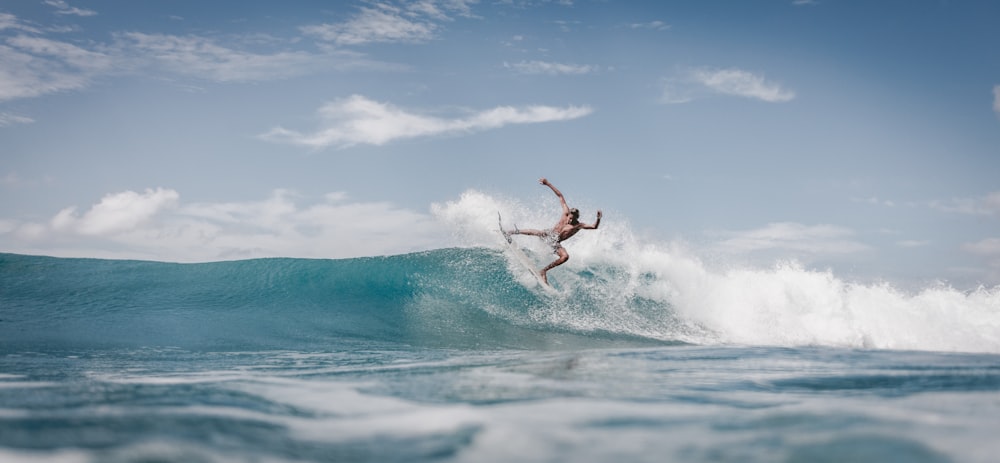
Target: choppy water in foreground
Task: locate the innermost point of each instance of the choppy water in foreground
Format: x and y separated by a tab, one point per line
387	402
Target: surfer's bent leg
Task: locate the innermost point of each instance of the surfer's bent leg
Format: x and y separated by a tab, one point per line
563	257
527	231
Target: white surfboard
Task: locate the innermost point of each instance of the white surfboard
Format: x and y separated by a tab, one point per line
523	259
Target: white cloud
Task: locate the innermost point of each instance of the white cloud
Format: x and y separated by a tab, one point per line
912	243
63	8
156	225
697	83
30	230
988	205
359	120
544	67
788	236
737	82
116	213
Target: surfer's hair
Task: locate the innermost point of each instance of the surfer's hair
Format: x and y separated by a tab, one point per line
574	215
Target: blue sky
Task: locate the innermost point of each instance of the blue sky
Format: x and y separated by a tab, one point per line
858	136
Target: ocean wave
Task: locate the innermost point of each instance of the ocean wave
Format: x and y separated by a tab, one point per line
473	298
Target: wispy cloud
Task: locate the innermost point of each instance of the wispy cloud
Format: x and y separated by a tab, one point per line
206	58
385	22
652	25
443	10
989	250
69	54
11	180
988	205
63	8
700	82
989	247
14	181
374	25
8	119
550	68
996	99
358	120
156	224
9	21
34	66
794	237
875	200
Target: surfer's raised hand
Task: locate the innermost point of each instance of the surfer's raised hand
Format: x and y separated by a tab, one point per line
543	181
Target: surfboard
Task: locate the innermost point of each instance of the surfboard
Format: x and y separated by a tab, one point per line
523	258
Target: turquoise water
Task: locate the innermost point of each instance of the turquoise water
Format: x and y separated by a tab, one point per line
448	355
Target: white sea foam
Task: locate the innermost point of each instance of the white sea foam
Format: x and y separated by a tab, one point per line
784	305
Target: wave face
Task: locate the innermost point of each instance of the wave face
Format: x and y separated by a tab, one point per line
472	298
463	298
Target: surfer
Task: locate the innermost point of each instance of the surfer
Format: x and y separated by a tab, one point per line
567	226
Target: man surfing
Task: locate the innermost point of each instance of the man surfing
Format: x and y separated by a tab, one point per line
567	226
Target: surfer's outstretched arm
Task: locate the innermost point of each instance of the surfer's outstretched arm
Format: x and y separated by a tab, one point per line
594	225
562	200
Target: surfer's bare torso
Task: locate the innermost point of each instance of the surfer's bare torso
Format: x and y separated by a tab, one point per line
567	226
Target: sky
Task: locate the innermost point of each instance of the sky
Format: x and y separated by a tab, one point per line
860	137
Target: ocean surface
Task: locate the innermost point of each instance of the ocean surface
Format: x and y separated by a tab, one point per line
454	355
